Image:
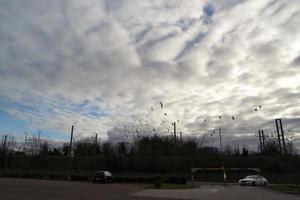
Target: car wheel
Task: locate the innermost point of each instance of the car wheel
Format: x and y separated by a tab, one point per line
253	183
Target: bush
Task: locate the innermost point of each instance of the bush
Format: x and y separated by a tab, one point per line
176	180
133	179
157	181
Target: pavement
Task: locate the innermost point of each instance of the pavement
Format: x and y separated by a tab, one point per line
32	189
219	192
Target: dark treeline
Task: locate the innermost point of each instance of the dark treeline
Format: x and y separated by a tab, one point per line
157	154
140	146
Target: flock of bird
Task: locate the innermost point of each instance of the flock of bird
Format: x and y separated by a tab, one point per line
146	125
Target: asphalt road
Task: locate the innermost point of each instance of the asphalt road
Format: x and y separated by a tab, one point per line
28	189
219	192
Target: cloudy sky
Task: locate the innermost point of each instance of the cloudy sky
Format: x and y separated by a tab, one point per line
105	66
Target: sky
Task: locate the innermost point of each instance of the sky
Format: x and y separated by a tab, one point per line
105	66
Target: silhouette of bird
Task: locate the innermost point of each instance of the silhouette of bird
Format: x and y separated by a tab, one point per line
220	117
165	114
152	108
233	117
161	104
259	106
255	109
205	120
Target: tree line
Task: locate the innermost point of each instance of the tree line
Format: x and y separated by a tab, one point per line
141	153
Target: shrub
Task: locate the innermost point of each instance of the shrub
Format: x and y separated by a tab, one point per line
157	181
133	179
176	180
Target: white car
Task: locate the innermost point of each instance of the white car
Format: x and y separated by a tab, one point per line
253	180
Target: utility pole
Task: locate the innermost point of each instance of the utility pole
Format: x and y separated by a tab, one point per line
263	139
96	142
174	124
278	134
175	142
96	137
282	136
260	142
220	134
180	136
221	159
71	141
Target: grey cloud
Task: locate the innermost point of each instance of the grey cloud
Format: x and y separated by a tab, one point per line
133	54
296	61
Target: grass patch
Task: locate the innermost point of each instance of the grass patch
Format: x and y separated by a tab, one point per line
171	186
289	188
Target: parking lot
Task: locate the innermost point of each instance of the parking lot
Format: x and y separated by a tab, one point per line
27	189
220	192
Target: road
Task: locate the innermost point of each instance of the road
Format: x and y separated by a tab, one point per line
219	192
29	189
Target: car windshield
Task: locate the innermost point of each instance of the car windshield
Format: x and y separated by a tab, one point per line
250	176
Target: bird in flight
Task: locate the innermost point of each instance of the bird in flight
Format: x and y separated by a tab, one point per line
161	104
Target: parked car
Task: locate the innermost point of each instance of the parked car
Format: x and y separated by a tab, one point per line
103	177
254	180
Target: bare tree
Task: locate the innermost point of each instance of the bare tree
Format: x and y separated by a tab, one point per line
291	148
34	145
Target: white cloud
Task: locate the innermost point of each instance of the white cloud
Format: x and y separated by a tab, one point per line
201	58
